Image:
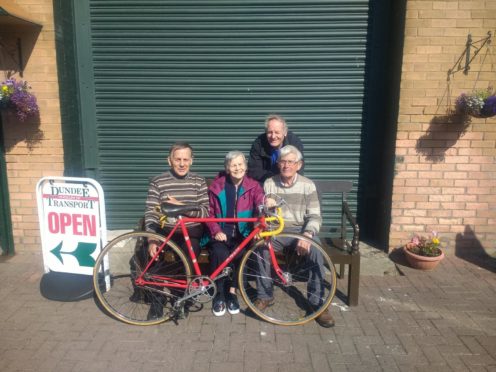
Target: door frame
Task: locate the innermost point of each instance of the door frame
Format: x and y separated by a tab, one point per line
6	235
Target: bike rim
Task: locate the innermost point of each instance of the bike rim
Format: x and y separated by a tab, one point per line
295	302
124	259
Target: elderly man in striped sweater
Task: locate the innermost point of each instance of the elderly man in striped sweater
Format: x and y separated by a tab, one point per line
178	186
301	214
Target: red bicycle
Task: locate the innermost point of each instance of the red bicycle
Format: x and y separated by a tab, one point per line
127	281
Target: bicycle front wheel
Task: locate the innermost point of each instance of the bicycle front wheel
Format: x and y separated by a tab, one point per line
307	287
122	261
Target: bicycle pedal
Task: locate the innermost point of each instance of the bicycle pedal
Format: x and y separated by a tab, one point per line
177	314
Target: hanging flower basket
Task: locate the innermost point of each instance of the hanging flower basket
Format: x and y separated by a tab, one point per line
479	104
15	96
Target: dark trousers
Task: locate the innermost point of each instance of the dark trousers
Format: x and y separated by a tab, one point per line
219	251
195	234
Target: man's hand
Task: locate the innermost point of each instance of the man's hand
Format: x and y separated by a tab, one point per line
173	200
221	237
152	249
303	247
270	203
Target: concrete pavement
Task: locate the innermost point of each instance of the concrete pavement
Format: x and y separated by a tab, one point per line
443	320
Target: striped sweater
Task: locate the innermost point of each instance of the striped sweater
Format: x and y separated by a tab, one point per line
192	189
303	201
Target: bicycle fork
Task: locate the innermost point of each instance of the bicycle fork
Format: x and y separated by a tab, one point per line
284	276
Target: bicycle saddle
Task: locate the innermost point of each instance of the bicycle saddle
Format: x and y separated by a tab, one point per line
174	210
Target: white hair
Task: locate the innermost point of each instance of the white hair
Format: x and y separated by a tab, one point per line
290	149
231	155
275	117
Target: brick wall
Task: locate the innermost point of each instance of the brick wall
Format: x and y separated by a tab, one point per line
445	177
34	148
445	172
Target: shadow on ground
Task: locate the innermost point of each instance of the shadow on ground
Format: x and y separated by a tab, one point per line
398	258
470	249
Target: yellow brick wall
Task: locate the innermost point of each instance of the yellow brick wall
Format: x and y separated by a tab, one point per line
445	177
34	151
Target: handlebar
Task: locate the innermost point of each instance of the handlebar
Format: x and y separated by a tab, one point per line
273	217
174	210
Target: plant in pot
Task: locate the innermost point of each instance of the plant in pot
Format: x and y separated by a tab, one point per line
424	253
479	103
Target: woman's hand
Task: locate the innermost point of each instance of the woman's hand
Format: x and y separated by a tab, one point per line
221	237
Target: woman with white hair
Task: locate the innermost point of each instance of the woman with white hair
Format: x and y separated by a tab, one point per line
231	194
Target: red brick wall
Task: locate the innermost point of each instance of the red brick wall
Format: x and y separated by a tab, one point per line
445	177
34	149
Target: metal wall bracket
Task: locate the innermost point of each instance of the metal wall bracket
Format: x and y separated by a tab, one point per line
466	53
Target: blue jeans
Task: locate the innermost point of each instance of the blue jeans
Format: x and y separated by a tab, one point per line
312	264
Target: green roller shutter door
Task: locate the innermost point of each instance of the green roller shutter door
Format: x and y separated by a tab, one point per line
208	72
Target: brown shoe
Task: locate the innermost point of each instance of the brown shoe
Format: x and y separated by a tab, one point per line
262	303
325	319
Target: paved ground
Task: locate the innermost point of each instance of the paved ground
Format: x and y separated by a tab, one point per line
439	321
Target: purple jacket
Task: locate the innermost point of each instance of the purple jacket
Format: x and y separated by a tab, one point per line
251	196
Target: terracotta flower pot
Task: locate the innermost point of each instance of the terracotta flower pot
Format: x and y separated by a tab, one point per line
422	262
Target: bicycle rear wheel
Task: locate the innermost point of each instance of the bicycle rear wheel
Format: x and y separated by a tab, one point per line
310	280
121	262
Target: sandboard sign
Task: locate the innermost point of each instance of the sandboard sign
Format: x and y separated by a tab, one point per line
72	223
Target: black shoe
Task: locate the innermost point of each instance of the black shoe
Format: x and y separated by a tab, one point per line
136	296
232	304
219	306
140	296
156	311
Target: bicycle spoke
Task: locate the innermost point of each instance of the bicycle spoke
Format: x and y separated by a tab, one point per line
118	266
307	287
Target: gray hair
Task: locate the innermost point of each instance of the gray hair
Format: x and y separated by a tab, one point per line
275	117
290	149
231	155
180	146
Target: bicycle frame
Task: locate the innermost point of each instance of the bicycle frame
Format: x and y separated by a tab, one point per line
261	224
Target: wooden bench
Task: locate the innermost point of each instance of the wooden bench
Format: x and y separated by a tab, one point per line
342	251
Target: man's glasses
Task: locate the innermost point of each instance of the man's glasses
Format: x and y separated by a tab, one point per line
287	162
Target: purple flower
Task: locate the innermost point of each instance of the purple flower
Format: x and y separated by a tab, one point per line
480	103
461	103
489	108
15	95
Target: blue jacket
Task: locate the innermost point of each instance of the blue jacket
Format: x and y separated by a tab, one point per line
260	165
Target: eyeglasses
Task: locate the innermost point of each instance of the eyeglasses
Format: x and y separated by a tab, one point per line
287	162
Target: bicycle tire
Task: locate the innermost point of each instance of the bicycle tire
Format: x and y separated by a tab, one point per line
291	303
118	265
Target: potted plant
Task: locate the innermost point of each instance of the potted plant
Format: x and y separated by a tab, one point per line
479	103
15	96
424	253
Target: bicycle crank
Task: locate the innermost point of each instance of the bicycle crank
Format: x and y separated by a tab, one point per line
201	289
